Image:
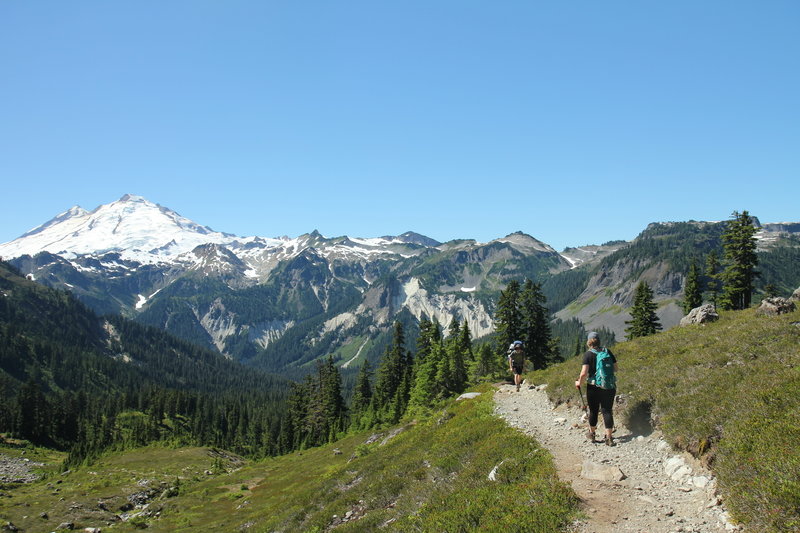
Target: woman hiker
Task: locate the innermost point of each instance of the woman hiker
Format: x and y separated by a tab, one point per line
597	397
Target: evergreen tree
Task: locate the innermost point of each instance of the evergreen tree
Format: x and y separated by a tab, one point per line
426	387
644	320
692	295
507	317
296	410
535	325
486	363
741	260
712	276
455	349
393	375
465	344
427	333
770	290
579	346
332	402
32	414
362	396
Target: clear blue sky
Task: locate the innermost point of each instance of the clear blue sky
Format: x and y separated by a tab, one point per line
576	122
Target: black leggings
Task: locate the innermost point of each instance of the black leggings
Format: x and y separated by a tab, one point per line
600	399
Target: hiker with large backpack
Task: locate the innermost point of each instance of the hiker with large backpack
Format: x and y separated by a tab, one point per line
516	361
599	369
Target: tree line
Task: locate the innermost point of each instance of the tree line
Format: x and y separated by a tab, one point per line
78	382
728	283
408	383
89	404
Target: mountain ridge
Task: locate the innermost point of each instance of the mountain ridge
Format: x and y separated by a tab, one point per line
241	295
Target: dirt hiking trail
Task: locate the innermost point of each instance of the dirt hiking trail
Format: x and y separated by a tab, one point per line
640	485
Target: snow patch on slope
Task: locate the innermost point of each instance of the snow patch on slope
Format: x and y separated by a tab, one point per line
444	307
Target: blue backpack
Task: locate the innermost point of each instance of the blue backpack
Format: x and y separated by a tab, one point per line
604	371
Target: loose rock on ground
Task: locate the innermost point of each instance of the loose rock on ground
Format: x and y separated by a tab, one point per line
641	485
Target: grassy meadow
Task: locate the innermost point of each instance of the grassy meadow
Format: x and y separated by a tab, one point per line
728	392
427	475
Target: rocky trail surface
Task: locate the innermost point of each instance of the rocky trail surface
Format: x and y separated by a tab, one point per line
640	485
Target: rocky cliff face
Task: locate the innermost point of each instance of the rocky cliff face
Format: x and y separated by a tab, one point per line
609	295
241	300
244	296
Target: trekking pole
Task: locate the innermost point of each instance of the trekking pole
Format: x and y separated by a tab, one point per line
583	404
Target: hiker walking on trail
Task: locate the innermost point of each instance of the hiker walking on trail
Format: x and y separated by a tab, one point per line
516	361
599	369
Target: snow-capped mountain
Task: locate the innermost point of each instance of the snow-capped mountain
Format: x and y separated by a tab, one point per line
285	301
132	226
243	294
136	230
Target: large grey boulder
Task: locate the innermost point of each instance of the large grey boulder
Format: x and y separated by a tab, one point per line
468	396
776	306
795	297
700	315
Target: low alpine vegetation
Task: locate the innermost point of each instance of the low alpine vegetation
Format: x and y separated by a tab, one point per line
428	474
726	392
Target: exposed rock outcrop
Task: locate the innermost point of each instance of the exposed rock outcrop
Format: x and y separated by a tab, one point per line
776	306
700	315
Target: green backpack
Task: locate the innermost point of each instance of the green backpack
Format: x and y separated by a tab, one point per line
604	371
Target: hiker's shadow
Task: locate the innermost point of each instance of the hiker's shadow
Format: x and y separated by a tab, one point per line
625	438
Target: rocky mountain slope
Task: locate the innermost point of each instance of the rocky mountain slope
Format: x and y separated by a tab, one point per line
282	302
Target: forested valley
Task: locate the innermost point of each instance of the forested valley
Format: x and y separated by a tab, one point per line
89	384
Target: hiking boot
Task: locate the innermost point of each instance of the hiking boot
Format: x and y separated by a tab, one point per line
517	388
610	441
590	436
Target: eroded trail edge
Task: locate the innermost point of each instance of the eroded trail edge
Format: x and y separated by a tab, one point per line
640	485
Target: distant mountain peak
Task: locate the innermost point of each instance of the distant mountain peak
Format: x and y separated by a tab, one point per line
412	237
525	241
72	212
132	198
132	225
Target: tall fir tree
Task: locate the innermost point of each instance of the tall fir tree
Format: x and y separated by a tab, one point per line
393	378
427	388
465	343
712	277
535	325
362	397
424	339
692	294
296	410
333	406
771	290
485	364
741	260
507	316
644	320
456	357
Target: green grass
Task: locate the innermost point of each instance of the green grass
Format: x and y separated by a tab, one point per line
347	351
616	309
76	495
432	476
728	393
576	307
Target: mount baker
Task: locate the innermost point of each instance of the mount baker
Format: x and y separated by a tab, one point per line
283	302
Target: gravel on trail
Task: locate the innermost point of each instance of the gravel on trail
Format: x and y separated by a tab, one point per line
640	485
